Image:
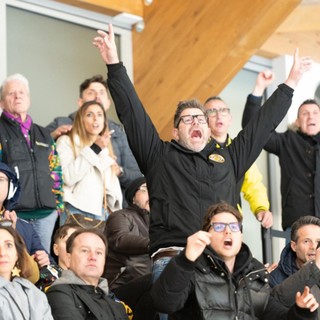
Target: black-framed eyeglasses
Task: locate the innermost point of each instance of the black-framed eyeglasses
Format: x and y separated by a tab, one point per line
221	226
214	112
189	118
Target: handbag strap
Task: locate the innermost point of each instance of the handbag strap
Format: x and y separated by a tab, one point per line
79	223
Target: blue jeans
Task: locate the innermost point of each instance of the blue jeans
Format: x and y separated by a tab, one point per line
157	268
72	209
44	228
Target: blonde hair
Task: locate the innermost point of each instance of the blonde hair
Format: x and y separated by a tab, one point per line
79	130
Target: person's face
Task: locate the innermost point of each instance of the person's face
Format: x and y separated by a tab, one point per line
8	254
60	251
193	136
16	98
308	237
96	91
141	198
93	120
4	186
88	257
227	244
220	122
309	119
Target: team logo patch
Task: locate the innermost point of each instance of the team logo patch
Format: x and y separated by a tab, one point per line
216	158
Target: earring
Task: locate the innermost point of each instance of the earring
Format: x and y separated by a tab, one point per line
15	272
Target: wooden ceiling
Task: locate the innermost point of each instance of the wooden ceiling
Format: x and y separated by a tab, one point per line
300	29
194	48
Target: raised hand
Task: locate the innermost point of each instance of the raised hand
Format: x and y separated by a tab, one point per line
306	300
107	46
103	140
299	67
196	243
264	79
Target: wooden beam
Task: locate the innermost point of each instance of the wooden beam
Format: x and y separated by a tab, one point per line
285	43
109	7
194	49
303	19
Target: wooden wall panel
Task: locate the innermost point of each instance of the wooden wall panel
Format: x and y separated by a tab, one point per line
194	48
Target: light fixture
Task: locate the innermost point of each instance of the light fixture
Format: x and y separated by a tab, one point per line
139	26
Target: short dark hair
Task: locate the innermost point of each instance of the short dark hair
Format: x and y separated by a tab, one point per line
70	241
219	208
303	221
96	78
213	98
23	260
308	101
186	104
62	231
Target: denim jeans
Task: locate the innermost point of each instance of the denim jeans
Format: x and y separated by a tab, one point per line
157	268
44	228
72	209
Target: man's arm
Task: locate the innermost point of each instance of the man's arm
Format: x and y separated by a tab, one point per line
143	138
256	194
171	291
308	275
254	100
248	144
121	238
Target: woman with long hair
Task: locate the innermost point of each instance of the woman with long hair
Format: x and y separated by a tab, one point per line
19	298
91	187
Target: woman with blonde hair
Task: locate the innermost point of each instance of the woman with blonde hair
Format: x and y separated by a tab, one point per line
91	187
19	298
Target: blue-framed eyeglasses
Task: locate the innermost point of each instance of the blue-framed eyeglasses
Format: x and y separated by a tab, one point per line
221	226
189	118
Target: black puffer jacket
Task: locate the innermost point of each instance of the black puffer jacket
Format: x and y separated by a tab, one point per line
207	290
127	232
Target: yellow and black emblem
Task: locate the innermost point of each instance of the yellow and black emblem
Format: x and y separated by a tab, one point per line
217	158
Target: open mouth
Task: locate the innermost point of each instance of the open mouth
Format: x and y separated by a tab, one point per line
227	243
196	134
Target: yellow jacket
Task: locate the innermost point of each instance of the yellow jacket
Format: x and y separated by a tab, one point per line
252	187
254	190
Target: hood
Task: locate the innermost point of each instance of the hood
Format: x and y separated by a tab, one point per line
14	187
242	263
287	263
68	277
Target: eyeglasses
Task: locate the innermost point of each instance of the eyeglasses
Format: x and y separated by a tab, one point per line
221	226
214	112
188	119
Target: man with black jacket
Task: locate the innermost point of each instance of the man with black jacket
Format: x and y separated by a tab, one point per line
216	277
298	152
188	174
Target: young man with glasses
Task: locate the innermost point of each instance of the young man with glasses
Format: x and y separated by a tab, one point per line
216	277
219	120
188	174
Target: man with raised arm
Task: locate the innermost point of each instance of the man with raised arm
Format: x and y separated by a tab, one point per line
188	174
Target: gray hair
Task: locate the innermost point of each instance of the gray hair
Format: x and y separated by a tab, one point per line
13	77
